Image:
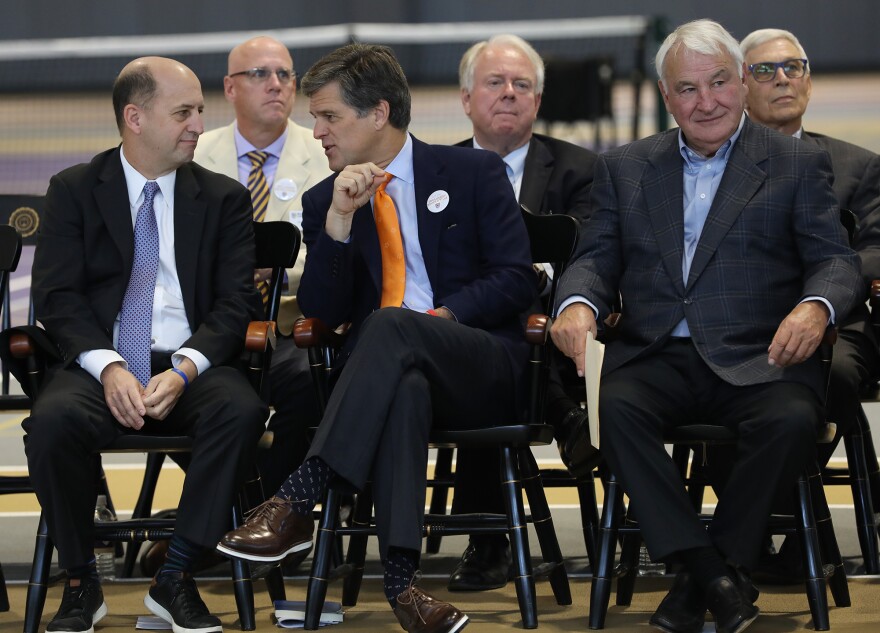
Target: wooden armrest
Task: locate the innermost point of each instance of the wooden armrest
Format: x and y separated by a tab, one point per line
537	329
260	335
21	346
315	333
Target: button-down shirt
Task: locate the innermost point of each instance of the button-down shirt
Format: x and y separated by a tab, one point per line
418	294
243	146
515	164
170	328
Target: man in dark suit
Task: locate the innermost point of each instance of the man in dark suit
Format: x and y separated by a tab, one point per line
780	85
501	81
143	277
723	241
423	250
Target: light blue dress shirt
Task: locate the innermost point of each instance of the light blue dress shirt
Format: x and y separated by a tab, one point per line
243	146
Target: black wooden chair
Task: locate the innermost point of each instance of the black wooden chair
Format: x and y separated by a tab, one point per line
277	246
812	523
10	251
519	469
552	242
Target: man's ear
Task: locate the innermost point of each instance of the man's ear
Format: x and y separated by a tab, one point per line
466	101
381	112
131	116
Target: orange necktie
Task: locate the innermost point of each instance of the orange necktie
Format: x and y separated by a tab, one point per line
391	246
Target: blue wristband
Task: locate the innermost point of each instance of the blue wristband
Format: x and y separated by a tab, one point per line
182	374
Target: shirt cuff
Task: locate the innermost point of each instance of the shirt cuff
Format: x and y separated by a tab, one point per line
199	360
578	299
832	318
96	360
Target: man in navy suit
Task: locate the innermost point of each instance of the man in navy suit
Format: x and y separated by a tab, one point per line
446	350
142	220
722	241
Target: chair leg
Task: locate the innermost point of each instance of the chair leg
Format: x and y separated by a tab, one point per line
275	585
38	585
807	531
242	585
543	522
439	495
600	589
586	489
828	548
357	548
143	507
519	542
4	597
629	566
320	573
866	527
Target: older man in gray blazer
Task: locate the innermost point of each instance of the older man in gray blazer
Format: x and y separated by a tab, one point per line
723	242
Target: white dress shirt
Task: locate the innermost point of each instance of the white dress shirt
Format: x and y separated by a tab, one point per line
170	325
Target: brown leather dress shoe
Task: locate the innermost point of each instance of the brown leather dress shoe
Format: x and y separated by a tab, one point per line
272	531
418	612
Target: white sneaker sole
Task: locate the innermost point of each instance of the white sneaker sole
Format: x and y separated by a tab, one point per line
458	626
262	559
158	609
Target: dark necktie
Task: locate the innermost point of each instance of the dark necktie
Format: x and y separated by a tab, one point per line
259	188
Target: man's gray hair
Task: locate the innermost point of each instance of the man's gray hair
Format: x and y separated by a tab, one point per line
469	60
706	37
762	36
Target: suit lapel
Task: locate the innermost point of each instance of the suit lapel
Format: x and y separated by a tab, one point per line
189	218
536	176
428	172
742	177
221	155
663	192
111	196
291	165
363	225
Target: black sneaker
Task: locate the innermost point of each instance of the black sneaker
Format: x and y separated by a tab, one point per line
175	598
81	608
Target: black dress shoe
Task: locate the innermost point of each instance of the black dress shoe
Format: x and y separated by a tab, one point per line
573	441
683	610
483	566
733	612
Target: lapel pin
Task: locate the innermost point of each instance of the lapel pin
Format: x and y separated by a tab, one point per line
438	201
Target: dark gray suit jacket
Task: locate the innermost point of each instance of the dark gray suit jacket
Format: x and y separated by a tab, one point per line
772	238
857	187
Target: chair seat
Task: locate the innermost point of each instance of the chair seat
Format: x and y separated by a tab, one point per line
140	443
513	435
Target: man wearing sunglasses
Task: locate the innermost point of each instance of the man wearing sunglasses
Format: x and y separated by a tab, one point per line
261	87
779	85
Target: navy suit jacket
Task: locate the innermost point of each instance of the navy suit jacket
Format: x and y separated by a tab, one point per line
476	250
85	249
772	238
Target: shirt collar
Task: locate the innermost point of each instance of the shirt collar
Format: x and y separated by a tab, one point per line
135	181
402	165
243	146
690	156
799	133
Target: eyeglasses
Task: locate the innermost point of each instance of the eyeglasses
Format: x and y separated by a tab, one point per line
766	71
259	75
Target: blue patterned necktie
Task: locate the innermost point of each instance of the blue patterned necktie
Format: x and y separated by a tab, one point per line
136	316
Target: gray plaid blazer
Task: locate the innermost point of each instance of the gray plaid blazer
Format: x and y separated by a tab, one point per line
772	238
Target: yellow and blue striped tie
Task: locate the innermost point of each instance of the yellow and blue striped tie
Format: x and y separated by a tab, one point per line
259	188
